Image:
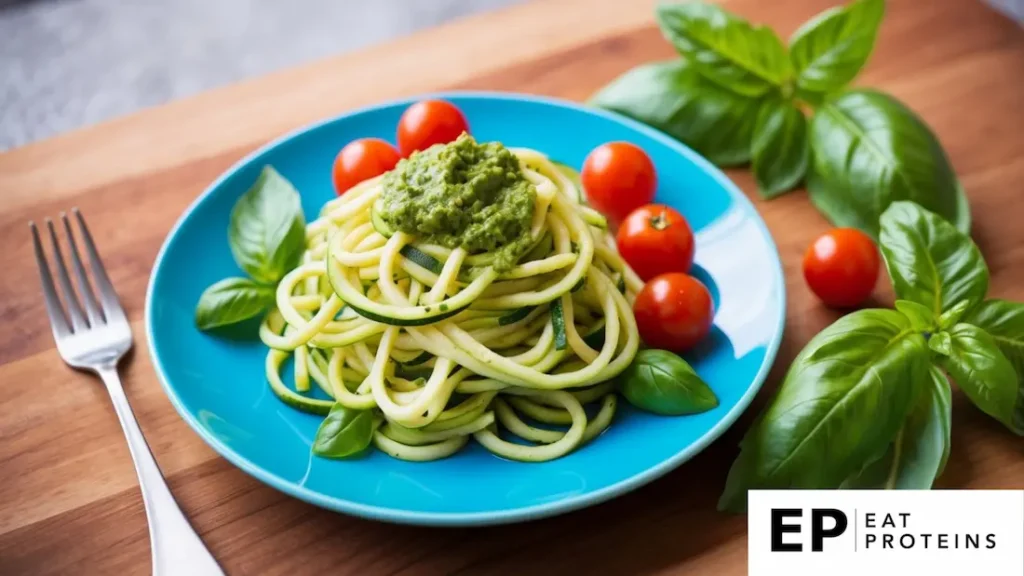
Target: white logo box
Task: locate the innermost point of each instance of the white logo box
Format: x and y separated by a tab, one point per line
907	532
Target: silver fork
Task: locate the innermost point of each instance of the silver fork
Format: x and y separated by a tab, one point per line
95	341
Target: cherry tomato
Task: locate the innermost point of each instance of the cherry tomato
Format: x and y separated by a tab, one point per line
655	239
673	312
427	123
361	160
618	178
841	267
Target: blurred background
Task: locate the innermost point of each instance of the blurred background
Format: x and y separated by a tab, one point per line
69	63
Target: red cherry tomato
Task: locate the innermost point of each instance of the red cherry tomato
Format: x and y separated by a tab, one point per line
655	239
673	312
427	123
618	178
361	160
841	267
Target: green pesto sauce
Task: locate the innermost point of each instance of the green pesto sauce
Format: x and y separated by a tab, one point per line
462	194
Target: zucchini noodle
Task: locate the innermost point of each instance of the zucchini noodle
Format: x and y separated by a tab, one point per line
444	347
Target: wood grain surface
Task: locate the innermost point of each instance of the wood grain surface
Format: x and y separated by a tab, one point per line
69	501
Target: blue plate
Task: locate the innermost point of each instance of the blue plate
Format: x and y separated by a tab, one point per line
218	386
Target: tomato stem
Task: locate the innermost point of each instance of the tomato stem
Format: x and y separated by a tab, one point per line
659	221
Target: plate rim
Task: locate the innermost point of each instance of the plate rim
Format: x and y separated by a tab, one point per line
494	517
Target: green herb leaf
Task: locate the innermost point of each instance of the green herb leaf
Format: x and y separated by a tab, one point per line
814	99
921	317
931	262
841	403
1004	322
232	300
343	432
674	98
941	343
869	150
267	233
829	50
918	454
661	382
951	317
746	59
985	375
779	149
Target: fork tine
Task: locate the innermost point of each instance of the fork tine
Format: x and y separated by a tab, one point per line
73	308
92	308
53	306
108	297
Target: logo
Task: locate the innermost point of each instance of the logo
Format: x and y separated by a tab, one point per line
818	530
858	532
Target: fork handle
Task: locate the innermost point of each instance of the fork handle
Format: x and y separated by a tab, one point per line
176	548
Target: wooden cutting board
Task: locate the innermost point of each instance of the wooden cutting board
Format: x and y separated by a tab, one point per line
69	502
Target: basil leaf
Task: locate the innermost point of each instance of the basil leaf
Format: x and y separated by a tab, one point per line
661	382
952	316
343	432
267	231
929	261
869	150
941	343
842	402
726	49
779	148
985	375
922	319
829	50
812	99
674	98
942	409
918	454
232	300
1004	322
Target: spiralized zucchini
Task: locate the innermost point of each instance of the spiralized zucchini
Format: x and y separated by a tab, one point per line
444	347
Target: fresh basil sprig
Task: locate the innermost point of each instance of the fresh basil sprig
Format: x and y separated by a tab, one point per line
866	404
985	375
842	402
920	450
779	149
922	318
748	60
344	432
232	300
869	150
738	95
674	98
658	381
952	315
267	230
267	238
829	50
1004	322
